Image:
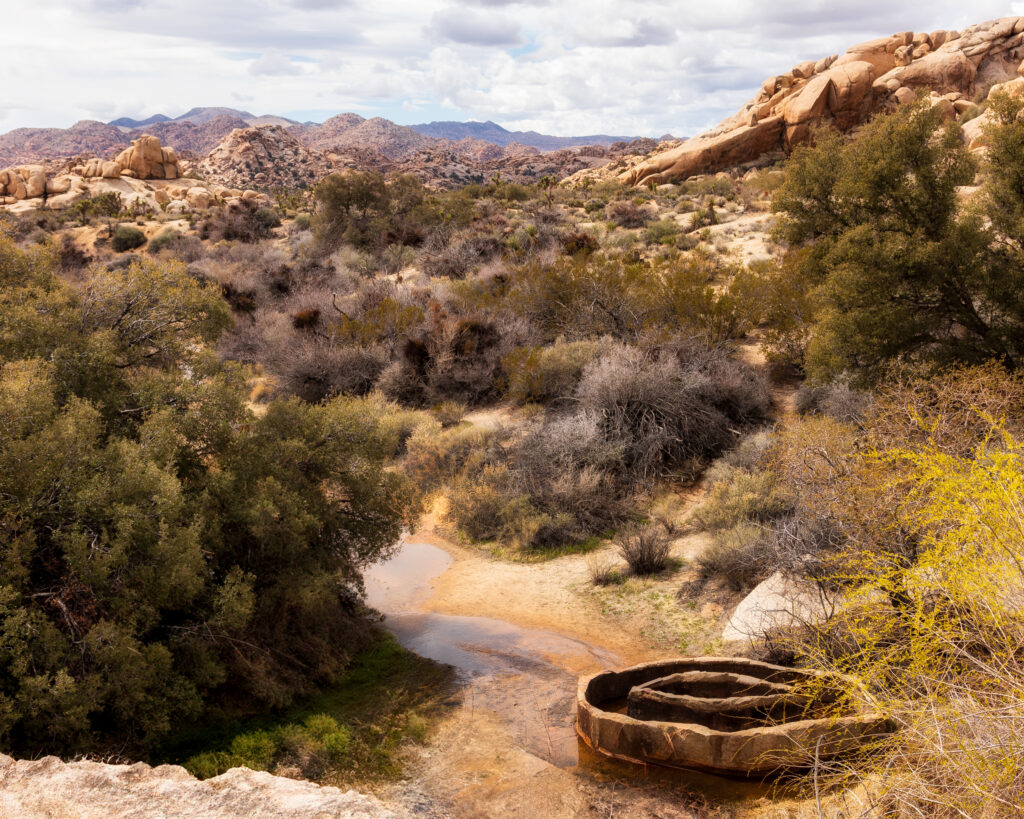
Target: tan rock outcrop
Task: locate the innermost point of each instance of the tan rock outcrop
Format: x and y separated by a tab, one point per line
199	198
146	158
844	91
48	788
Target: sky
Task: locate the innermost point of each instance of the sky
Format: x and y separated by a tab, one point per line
566	67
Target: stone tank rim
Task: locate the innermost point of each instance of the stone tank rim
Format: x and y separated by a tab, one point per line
752	753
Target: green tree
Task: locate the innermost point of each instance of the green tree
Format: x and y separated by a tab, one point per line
900	272
162	549
370	212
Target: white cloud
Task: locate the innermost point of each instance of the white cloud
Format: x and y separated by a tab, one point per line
460	25
572	66
274	65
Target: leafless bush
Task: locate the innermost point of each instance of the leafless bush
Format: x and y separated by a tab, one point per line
457	258
667	415
838	400
314	369
240	220
603	569
645	548
628	215
73	257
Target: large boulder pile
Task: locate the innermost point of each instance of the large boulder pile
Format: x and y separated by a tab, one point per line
266	157
842	91
47	788
145	158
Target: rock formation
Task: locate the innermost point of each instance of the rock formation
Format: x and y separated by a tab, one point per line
266	157
144	159
843	91
48	788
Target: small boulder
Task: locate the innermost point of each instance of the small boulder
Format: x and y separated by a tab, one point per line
199	198
58	185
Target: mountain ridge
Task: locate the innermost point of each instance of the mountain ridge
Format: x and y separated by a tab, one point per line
491	131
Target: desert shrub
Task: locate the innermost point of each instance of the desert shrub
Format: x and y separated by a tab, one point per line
760	183
163	240
306	319
396	258
954	409
662	232
741	555
788	312
742	496
645	549
73	257
699	293
370	212
302	221
126	237
578	298
750	453
456	259
241	220
108	203
435	455
852	211
171	553
545	374
478	504
670	411
709	186
566	466
578	242
314	369
932	637
454	359
703	218
603	570
377	317
448	413
838	399
491	506
628	215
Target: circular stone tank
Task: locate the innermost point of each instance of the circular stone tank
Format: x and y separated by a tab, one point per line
723	715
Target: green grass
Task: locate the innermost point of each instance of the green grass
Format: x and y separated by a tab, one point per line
514	554
353	732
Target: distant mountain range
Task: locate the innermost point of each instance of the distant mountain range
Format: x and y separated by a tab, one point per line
200	130
483	131
492	132
201	116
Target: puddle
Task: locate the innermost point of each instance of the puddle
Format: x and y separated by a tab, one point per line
526	676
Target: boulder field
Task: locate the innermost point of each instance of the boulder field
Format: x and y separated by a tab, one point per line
951	67
146	175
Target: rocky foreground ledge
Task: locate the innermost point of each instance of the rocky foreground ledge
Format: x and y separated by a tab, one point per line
51	789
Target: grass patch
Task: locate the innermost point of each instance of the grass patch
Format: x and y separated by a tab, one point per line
352	733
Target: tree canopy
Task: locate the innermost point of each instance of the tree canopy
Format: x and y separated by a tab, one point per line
163	549
900	271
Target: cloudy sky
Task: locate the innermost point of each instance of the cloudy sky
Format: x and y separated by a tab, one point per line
558	66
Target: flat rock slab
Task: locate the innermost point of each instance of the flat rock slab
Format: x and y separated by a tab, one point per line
50	789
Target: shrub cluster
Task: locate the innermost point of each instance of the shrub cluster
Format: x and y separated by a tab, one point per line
166	551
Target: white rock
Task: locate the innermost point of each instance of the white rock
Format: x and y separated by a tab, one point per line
777	602
48	788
